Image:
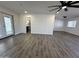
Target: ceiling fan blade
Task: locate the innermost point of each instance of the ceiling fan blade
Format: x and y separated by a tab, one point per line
58	10
62	3
54	6
53	9
69	2
75	2
75	6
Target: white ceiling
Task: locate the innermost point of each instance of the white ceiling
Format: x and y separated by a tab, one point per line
38	7
31	6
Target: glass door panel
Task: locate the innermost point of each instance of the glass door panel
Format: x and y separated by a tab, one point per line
2	27
8	25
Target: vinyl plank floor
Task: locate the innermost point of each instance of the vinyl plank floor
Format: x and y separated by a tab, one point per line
59	45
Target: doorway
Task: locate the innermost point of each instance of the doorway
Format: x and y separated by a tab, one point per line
28	24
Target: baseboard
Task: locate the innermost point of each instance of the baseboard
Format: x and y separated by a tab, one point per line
6	37
71	33
67	32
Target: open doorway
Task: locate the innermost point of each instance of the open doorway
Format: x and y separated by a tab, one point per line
28	24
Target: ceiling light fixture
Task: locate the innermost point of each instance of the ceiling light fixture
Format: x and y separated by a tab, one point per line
25	12
57	12
29	16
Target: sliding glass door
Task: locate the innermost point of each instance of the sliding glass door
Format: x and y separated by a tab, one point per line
2	27
6	25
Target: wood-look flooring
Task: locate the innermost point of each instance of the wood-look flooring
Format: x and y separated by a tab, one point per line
60	45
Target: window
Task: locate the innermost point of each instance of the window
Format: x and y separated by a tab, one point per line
71	24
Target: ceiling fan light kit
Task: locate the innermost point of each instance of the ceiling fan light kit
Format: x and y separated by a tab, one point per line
64	7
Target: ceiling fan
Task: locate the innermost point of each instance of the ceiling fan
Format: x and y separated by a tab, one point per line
64	5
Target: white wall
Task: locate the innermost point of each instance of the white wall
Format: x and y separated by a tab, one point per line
72	30
59	25
40	24
16	18
23	23
16	24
